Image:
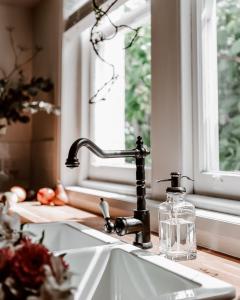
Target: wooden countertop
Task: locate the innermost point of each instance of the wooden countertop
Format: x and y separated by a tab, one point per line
215	264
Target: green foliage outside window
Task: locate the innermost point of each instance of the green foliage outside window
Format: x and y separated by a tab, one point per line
228	35
138	90
138	86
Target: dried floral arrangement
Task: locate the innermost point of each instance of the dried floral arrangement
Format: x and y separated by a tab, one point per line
18	94
97	38
28	270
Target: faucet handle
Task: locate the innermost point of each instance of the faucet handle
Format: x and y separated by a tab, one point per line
104	208
109	226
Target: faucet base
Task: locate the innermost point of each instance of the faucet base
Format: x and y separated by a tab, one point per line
143	237
143	245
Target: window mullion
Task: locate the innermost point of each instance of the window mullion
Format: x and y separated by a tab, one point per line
166	92
209	117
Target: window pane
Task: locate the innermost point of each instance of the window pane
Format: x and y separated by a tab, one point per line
138	90
228	37
126	111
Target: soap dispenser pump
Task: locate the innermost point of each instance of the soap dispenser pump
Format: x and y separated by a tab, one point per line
177	231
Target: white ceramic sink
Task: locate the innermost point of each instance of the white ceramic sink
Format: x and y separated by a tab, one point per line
122	272
106	269
62	236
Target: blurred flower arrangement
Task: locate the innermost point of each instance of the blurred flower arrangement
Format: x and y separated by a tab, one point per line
18	94
28	270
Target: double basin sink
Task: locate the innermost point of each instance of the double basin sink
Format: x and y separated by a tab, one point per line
106	269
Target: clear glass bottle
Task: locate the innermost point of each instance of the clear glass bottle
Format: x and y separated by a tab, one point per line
177	231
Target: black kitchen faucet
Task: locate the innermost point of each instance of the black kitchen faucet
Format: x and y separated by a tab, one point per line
140	222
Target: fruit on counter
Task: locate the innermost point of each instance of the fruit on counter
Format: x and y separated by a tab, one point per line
57	202
61	197
45	196
20	193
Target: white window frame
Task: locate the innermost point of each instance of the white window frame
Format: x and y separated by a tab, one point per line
205	106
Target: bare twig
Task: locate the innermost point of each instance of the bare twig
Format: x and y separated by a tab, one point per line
17	66
10	29
97	37
108	84
20	66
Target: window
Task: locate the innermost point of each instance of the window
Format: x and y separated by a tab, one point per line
217	147
159	90
187	79
125	112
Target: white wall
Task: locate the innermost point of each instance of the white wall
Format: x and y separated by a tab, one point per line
15	147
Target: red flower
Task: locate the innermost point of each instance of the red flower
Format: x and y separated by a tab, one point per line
28	264
6	254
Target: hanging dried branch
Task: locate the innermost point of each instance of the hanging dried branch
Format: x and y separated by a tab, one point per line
17	51
97	37
19	96
18	67
10	30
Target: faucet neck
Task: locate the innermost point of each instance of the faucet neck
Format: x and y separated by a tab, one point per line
72	160
140	175
140	183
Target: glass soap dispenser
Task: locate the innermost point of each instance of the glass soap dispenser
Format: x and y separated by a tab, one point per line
177	231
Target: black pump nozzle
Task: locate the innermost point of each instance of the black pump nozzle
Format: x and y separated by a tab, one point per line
175	183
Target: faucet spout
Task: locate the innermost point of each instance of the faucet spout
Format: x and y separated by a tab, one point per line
73	162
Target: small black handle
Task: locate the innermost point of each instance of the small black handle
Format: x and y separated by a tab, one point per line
175	178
